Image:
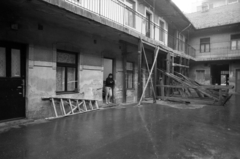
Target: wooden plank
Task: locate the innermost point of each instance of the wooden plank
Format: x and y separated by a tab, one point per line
153	90
150	74
182	99
178	65
186	83
140	47
54	107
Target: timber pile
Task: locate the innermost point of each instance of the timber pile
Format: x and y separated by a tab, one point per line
184	89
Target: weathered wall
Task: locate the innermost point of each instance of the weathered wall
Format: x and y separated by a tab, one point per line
41	63
233	65
220	45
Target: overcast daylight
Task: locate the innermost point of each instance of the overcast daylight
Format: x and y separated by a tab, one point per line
119	79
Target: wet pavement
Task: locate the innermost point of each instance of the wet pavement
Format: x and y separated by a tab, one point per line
130	132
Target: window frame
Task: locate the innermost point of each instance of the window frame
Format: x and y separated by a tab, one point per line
128	9
132	72
237	40
162	30
205	44
66	66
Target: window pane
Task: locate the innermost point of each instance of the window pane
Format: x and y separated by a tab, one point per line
66	58
60	78
71	72
129	79
238	44
207	47
2	62
202	48
16	63
129	14
234	45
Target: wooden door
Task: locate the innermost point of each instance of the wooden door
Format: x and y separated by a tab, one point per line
12	81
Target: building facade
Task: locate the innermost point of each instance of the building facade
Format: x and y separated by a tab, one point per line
66	48
217	45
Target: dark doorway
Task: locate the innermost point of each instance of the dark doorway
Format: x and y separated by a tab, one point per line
238	80
220	74
148	24
108	64
12	81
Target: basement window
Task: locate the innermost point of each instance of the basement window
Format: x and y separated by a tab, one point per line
130	75
204	45
66	72
235	42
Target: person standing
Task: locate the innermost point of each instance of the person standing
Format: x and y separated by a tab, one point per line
109	88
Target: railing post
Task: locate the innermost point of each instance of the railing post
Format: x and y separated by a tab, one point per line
99	7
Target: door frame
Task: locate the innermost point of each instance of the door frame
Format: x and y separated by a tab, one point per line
24	72
113	72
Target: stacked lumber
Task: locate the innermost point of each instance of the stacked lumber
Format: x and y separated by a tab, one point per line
191	91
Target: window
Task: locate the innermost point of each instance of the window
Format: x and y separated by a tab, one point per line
130	75
66	71
161	36
129	13
232	1
205	45
181	42
235	42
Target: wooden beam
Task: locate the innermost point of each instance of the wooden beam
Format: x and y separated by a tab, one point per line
191	100
124	63
140	47
151	81
168	69
179	65
150	74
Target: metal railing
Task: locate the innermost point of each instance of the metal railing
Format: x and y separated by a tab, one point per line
218	51
118	12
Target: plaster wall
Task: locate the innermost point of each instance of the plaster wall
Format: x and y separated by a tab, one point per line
41	63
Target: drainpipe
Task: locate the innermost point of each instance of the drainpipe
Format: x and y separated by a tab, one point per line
183	31
185	28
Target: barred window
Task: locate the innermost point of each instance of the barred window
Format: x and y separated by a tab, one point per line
66	71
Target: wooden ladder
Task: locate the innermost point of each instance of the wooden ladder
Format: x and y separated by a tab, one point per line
69	106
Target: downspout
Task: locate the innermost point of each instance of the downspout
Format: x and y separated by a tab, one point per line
183	31
185	28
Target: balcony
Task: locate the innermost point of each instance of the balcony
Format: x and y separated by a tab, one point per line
218	51
126	16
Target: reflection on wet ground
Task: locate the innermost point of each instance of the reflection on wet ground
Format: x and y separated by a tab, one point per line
146	132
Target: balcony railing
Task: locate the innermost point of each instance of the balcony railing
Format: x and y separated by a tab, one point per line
218	53
122	14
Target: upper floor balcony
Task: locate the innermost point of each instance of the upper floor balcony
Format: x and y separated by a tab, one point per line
218	51
126	14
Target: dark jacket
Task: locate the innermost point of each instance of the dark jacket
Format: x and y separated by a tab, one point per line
110	82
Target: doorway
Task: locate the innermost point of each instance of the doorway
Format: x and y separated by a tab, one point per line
220	74
148	24
238	80
107	69
12	81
